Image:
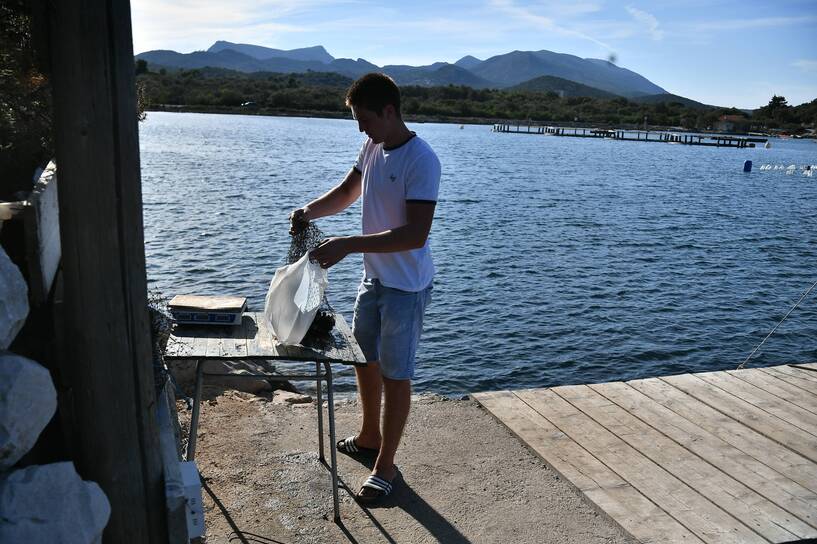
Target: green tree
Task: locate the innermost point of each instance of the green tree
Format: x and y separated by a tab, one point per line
776	110
141	66
25	101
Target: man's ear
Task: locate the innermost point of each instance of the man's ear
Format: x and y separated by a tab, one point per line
389	112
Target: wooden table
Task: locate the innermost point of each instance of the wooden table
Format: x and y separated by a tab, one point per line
252	340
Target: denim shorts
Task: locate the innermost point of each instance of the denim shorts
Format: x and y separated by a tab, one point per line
387	325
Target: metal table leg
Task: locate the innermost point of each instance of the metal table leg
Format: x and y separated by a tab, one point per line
333	465
332	453
194	420
320	411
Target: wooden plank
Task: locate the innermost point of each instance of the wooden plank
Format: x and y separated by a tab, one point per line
250	331
687	506
42	233
176	500
751	442
343	327
783	491
198	347
214	348
795	376
259	337
253	339
626	506
106	323
234	343
747	505
803	371
769	403
175	346
344	347
751	416
779	388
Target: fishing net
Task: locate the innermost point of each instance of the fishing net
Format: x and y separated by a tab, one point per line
320	332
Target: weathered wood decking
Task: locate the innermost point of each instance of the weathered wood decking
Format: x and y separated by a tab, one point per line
713	457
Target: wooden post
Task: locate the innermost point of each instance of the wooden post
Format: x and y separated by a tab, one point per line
106	359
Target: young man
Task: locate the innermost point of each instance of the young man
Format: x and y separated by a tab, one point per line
398	176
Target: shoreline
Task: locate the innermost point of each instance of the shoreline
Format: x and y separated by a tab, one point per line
318	114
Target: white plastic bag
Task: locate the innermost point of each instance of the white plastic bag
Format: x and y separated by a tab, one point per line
293	298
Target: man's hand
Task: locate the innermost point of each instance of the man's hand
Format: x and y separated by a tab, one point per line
330	252
298	220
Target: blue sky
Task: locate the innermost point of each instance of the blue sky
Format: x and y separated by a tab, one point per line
732	53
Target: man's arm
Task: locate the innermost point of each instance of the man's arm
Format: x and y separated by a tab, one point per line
335	200
412	235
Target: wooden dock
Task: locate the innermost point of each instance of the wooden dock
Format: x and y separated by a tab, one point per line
717	457
632	135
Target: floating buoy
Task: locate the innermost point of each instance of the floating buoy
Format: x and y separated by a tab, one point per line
768	145
747	166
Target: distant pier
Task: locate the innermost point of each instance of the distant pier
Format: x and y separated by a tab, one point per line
631	135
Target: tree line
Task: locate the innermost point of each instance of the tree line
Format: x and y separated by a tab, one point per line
212	89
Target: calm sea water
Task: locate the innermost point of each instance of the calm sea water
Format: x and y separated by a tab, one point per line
559	260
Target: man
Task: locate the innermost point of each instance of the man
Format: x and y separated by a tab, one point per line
398	175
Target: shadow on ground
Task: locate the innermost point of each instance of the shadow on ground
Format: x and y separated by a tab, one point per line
406	499
237	535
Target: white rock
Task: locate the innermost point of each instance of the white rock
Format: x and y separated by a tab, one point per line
28	401
51	503
13	300
286	397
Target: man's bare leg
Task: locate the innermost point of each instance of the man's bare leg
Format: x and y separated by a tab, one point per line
370	389
395	413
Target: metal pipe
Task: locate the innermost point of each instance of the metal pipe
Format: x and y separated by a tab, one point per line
320	411
333	454
194	419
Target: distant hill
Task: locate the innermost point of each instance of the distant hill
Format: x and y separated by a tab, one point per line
519	66
226	58
562	87
669	98
351	68
316	53
443	74
468	62
233	60
500	71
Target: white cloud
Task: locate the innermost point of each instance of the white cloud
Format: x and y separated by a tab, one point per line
543	22
744	24
649	21
186	25
807	65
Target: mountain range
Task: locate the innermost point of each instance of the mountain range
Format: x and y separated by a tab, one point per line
565	74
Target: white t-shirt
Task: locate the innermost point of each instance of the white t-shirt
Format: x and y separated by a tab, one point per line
391	177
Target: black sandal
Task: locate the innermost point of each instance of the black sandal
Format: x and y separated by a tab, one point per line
382	488
349	447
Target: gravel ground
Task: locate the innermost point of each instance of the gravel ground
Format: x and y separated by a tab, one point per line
466	479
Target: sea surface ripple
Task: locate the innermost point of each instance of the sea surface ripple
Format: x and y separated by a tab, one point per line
559	260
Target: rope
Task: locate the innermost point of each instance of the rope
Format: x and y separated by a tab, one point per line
741	365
